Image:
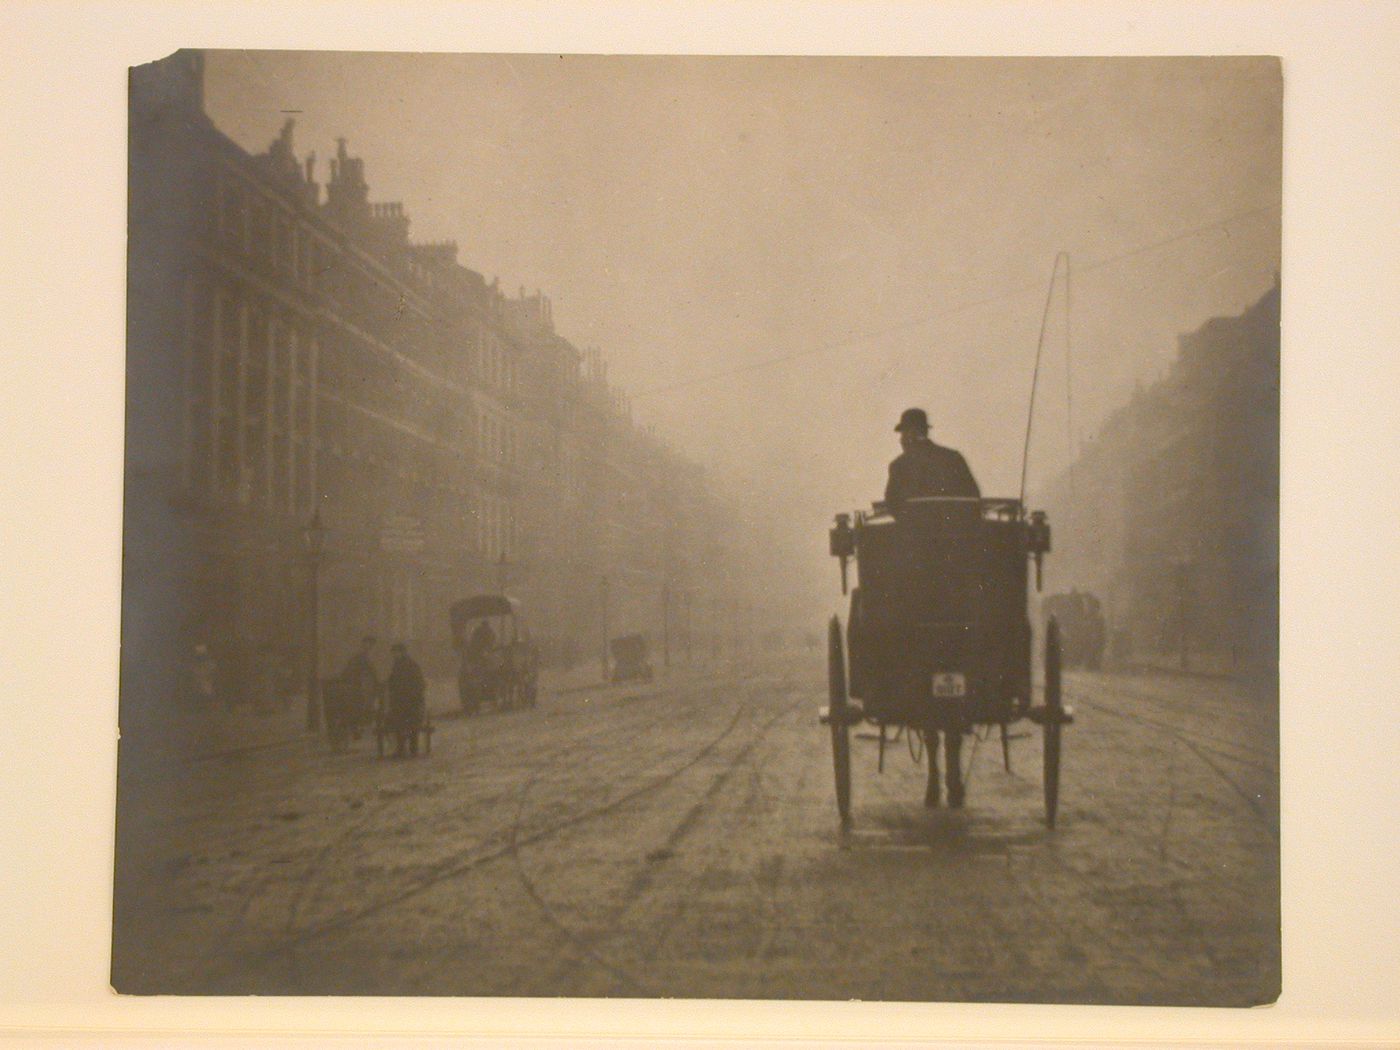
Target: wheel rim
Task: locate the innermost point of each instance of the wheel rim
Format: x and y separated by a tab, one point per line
840	731
1054	706
1052	772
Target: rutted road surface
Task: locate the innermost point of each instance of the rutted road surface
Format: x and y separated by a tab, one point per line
679	838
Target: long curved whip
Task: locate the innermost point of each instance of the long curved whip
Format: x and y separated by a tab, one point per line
1035	376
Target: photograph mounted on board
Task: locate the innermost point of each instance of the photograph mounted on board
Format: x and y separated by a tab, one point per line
705	527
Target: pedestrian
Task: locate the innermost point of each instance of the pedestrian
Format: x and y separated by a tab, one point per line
362	684
407	700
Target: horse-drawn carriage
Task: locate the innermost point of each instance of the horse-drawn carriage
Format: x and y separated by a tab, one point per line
499	663
938	635
629	655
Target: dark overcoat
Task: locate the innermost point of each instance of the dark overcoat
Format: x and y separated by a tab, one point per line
361	677
407	694
929	470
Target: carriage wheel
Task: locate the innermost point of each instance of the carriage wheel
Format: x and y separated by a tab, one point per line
1054	705
467	694
840	730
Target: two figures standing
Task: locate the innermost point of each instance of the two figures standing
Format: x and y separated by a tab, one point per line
405	709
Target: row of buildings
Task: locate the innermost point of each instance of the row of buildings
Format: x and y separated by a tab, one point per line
1171	514
294	355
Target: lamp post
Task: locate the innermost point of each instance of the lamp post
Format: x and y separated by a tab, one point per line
501	565
314	539
734	627
687	626
1183	601
604	651
666	625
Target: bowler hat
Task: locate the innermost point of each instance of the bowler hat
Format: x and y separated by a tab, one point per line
913	419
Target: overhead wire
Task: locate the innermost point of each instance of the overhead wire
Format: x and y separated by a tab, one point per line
1069	372
972	304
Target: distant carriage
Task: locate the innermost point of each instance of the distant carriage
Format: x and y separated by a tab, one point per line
499	662
629	654
1083	632
938	636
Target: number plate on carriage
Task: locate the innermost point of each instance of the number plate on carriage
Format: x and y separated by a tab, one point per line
949	683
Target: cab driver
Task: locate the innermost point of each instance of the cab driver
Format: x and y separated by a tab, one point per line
924	469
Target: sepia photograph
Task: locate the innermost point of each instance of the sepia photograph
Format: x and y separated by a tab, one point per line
675	526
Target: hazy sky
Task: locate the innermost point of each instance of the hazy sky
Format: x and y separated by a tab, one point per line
888	225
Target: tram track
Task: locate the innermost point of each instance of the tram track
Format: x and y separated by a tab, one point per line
754	801
213	961
584	942
653	843
1202	748
1245	753
310	886
495	843
387	800
1182	706
1118	938
1163	875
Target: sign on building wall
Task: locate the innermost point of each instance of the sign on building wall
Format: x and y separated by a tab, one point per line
401	534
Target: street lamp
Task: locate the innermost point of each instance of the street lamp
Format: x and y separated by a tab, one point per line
314	541
501	565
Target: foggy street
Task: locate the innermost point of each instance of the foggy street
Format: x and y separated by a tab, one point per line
992	300
710	527
680	838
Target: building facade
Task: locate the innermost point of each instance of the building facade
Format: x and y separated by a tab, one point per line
292	354
1170	515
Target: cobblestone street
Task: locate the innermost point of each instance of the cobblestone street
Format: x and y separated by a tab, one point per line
680	839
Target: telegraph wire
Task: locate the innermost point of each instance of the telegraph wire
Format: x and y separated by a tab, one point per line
1011	293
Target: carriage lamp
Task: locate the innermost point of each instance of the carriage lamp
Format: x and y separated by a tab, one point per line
843	544
314	539
1038	541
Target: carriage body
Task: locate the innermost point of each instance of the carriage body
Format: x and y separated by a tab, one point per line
939	634
629	658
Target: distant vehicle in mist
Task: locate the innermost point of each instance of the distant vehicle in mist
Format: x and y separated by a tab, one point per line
1083	630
